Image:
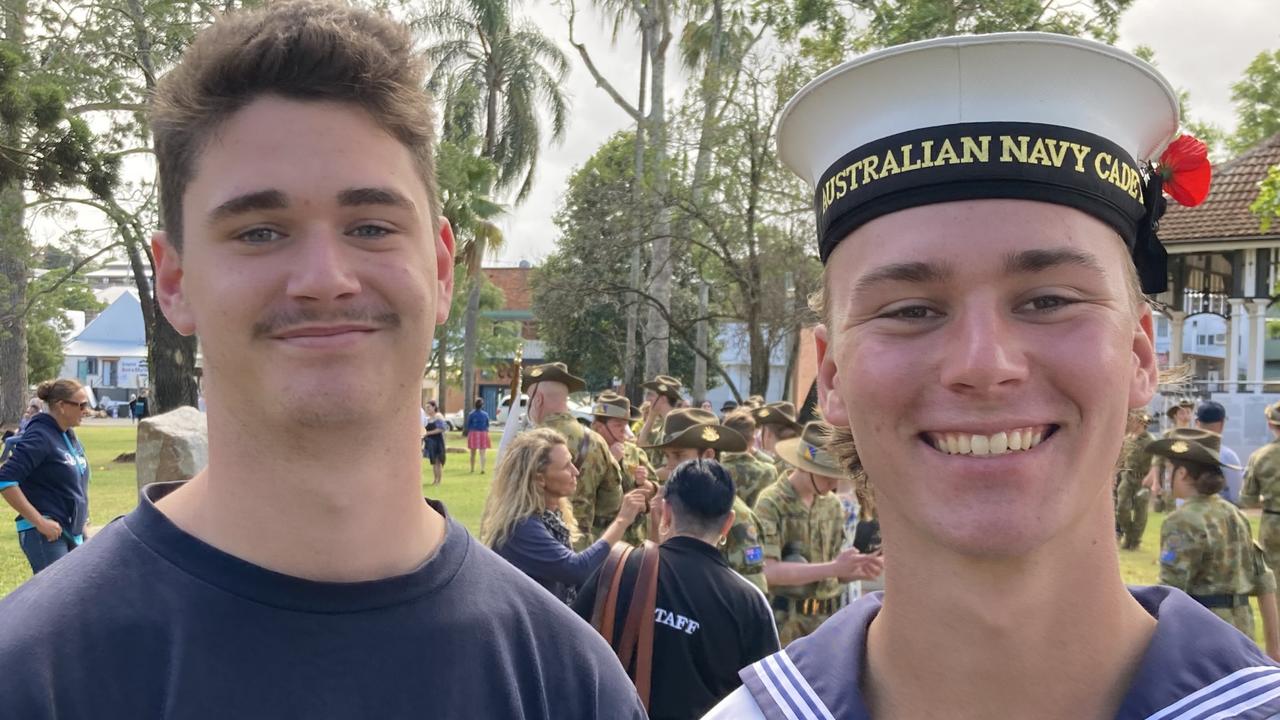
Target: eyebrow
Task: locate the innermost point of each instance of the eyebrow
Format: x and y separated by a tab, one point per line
277	200
908	272
1026	262
1034	261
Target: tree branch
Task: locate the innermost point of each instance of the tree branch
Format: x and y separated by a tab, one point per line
601	82
71	272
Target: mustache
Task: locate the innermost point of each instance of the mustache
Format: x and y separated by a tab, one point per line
283	320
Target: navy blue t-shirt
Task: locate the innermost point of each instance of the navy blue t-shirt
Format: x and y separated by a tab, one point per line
146	621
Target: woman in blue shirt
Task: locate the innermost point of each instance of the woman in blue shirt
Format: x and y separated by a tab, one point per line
529	521
478	434
46	478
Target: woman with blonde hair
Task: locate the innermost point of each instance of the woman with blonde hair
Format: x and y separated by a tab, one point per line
528	519
46	478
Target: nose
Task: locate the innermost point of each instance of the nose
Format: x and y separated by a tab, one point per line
983	352
322	269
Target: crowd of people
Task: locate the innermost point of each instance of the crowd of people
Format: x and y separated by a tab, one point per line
987	211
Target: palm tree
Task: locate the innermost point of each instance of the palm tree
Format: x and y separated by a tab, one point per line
497	74
465	178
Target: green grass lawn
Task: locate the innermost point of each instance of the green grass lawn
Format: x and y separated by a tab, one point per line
113	492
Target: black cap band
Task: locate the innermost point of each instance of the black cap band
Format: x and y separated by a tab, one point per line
973	161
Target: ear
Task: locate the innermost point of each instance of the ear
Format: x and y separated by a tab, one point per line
833	409
1146	373
444	270
728	523
169	292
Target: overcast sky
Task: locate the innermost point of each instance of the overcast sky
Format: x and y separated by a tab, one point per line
1201	46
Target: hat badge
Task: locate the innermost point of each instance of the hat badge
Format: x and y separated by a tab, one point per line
1179	447
662	387
600	409
710	434
762	413
537	372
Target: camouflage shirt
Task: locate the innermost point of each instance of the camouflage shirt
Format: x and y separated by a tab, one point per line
1135	459
795	533
1207	548
742	548
1262	478
653	437
633	457
750	476
599	495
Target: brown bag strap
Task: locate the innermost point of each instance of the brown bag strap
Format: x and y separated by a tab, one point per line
637	633
607	583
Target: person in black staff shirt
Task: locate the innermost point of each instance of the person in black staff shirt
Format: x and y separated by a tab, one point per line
708	621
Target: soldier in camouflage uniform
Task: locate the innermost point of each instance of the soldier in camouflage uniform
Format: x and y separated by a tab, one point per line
611	413
803	524
1262	487
1206	547
750	475
661	395
777	421
695	433
599	494
1157	479
1132	498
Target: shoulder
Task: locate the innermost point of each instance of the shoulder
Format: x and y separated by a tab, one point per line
94	610
535	631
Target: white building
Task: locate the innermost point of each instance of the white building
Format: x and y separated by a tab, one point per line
110	353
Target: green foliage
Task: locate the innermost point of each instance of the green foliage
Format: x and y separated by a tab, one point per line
52	151
46	323
581	290
1257	100
1267	205
828	30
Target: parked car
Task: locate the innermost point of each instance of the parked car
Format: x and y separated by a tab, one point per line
505	406
455	420
581	412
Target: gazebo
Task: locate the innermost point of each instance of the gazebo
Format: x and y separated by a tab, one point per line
1222	282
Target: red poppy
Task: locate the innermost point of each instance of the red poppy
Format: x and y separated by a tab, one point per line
1184	165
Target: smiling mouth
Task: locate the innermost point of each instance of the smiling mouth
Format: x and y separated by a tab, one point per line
1000	443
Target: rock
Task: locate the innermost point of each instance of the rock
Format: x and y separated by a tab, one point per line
173	446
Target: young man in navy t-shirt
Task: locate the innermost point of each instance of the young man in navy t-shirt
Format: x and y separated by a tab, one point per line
300	574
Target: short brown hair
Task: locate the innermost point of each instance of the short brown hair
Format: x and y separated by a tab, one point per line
300	50
741	422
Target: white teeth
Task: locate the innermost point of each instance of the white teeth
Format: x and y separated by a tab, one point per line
1000	443
981	444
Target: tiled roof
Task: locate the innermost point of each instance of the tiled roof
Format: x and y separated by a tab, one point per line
1224	215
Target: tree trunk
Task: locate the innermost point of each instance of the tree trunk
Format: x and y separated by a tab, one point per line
469	338
171	356
629	382
700	358
657	359
759	349
15	257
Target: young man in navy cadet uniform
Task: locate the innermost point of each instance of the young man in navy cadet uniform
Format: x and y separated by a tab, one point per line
300	574
987	217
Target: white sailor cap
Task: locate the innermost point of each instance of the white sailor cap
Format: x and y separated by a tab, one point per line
1032	116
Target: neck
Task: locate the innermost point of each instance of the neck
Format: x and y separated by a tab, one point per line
964	636
337	504
804	485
